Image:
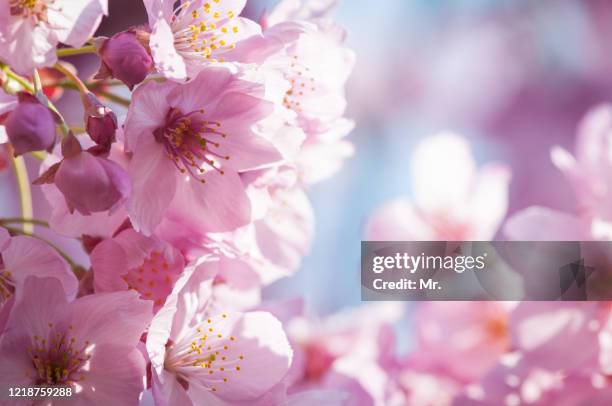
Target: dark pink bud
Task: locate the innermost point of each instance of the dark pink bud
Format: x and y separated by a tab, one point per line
31	126
92	184
126	57
100	122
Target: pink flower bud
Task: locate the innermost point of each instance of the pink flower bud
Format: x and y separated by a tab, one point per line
100	122
92	184
125	56
30	126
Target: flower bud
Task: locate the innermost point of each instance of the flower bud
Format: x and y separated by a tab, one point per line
126	57
30	126
92	184
100	122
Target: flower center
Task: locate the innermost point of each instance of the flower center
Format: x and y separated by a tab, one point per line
154	278
35	9
60	358
203	32
189	143
206	351
302	84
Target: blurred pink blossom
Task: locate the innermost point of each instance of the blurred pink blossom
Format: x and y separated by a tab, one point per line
453	200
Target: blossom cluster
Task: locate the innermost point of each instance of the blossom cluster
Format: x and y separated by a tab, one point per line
188	197
503	353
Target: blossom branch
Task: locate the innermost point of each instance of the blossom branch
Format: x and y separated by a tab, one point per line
25	194
10	220
75	83
87	49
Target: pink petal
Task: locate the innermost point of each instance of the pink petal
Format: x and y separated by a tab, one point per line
543	330
489	201
27	256
117	318
116	376
167	60
442	172
147	111
75	22
216	81
26	47
154	179
159	9
109	263
222	202
544	224
397	221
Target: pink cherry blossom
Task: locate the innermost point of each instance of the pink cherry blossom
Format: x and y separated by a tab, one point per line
452	199
23	256
593	191
88	344
464	339
340	352
514	383
31	30
133	261
222	358
188	147
185	40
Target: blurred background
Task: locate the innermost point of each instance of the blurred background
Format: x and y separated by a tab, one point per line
514	76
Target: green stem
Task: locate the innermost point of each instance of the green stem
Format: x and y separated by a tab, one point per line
87	49
8	220
115	98
25	194
40	155
25	83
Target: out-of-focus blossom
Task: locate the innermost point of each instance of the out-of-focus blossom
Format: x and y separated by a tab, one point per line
100	122
89	183
30	126
125	56
587	174
185	40
514	383
341	352
452	199
21	257
198	357
31	29
133	261
287	10
188	147
464	339
313	58
88	345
